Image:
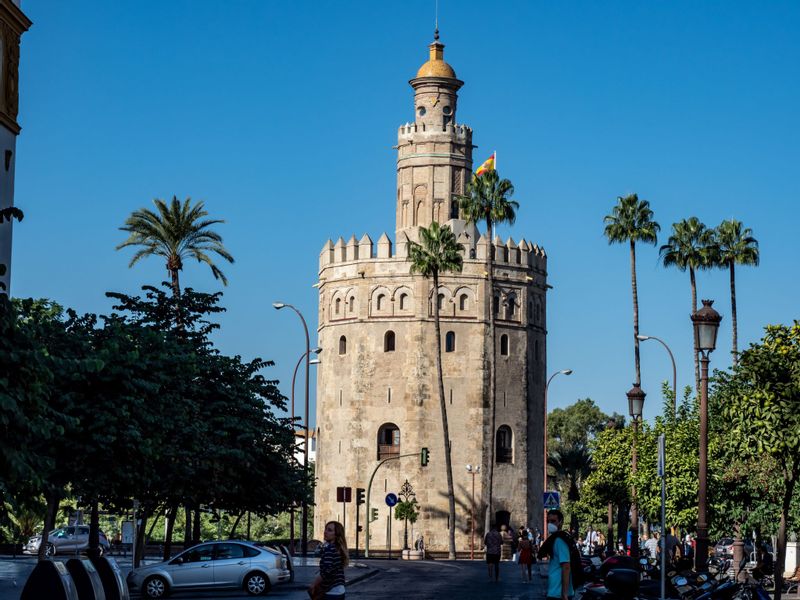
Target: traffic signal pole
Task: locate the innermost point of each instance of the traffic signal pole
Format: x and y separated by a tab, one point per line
369	494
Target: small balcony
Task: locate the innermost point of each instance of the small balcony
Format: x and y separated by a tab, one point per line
388	451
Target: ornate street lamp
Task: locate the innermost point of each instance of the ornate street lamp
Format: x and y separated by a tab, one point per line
706	324
635	409
407	494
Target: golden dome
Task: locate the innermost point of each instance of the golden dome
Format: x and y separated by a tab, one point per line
436	67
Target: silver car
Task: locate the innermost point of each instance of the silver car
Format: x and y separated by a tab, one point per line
65	540
213	565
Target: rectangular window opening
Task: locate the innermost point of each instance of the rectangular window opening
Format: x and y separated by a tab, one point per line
389	395
340	446
340	397
451	395
504	398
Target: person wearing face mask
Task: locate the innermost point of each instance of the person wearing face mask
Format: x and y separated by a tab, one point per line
561	551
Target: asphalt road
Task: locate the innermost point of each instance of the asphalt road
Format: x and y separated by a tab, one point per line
372	579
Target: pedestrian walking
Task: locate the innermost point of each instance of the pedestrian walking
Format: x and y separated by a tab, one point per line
329	584
493	542
525	555
558	547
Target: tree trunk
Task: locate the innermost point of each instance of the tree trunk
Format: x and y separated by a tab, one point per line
141	538
171	516
49	522
780	562
94	531
622	524
635	315
694	338
176	283
492	372
451	498
735	351
235	525
187	528
196	527
610	525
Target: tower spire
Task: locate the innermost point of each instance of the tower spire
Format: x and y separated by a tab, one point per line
436	23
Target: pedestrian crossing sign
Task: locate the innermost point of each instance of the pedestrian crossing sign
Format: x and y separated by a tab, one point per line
552	500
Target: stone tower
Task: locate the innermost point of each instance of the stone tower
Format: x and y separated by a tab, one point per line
376	386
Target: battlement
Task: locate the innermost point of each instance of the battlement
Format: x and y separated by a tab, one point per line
508	253
462	133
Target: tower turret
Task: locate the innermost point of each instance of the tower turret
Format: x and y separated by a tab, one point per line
434	152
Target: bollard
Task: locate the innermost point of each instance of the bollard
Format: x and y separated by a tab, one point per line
49	580
114	584
86	578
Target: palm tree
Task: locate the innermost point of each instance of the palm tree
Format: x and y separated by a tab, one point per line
439	253
631	220
572	464
736	246
488	199
176	232
691	246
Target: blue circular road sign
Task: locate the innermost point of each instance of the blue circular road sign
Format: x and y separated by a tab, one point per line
391	499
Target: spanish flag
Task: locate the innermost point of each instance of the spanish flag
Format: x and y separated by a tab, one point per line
487	166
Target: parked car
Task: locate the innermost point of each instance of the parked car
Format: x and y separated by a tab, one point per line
213	566
724	548
66	540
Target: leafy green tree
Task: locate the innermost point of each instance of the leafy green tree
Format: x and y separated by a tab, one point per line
439	253
488	200
175	232
736	246
631	221
408	512
691	246
569	432
761	402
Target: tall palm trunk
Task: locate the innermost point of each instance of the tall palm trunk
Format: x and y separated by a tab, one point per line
451	498
635	314
492	372
735	351
694	310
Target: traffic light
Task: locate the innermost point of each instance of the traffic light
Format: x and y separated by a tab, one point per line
373	515
360	496
424	455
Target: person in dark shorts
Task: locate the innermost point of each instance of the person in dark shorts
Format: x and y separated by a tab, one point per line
493	543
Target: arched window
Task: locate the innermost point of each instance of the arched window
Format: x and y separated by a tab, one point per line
342	345
511	306
450	342
338	305
538	313
454	210
504	345
351	304
403	301
380	302
441	301
472	252
388	441
388	341
504	445
463	302
496	306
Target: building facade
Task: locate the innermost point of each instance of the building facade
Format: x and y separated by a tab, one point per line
377	394
13	23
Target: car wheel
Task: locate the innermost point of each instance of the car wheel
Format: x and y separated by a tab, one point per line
50	550
256	584
155	587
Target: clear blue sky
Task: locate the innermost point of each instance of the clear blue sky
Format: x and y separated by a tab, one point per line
282	117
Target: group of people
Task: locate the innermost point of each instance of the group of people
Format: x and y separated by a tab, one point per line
505	544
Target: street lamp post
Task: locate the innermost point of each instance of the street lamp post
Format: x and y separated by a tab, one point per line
472	470
316	350
706	323
635	409
674	370
304	523
544	444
